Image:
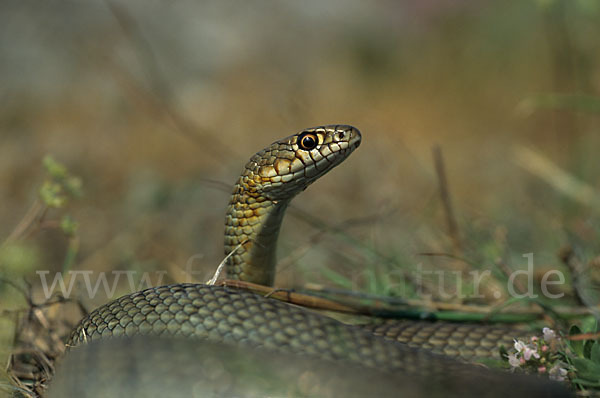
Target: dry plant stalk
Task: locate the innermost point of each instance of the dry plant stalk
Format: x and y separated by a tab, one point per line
564	182
452	225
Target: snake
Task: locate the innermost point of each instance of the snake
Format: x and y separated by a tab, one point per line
265	335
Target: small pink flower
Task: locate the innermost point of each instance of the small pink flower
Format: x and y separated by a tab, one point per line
519	345
549	334
514	361
534	339
557	373
544	348
522	361
528	353
542	369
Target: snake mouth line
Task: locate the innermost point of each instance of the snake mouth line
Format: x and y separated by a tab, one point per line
356	140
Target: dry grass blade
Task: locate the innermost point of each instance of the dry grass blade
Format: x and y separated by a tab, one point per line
564	182
350	303
156	100
446	200
290	296
33	215
223	263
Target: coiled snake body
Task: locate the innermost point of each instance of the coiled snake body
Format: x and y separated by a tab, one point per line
228	317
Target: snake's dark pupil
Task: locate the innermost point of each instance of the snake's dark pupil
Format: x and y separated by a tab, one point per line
307	141
341	135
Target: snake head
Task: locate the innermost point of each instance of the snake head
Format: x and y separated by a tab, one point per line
286	167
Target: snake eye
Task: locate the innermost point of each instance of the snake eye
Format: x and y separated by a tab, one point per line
307	141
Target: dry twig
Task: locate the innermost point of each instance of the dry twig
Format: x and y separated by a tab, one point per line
453	231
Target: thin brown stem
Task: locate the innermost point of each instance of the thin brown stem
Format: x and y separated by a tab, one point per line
452	225
33	214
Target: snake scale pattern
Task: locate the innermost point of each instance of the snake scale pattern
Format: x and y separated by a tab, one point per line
197	313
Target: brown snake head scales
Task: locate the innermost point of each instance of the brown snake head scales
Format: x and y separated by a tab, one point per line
267	184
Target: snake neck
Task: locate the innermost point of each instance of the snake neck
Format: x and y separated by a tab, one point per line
269	181
252	223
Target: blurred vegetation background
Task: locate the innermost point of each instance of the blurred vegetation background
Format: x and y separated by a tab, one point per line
156	106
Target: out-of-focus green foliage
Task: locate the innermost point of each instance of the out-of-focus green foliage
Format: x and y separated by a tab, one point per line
19	259
60	183
68	225
586	354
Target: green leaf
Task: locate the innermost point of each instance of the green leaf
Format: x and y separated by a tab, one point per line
337	278
589	325
573	330
587	348
585	383
587	370
51	194
61	178
595	353
54	168
503	352
575	345
68	225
